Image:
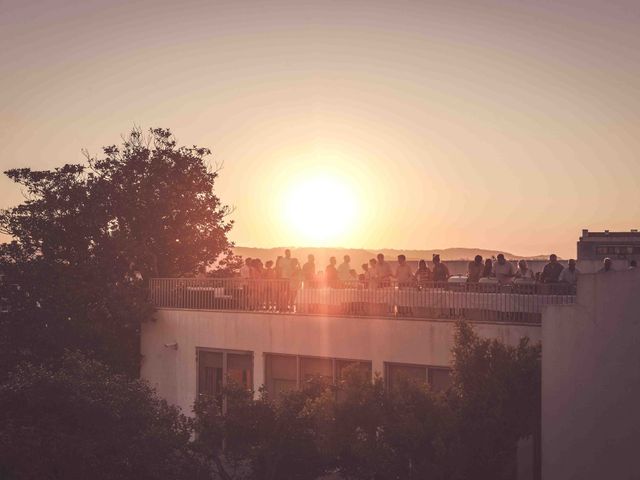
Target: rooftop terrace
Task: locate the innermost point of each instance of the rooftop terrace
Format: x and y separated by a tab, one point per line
519	303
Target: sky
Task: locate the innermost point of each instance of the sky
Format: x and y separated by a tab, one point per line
407	124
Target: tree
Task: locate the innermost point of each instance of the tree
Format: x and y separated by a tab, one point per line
88	237
364	431
496	398
82	421
263	439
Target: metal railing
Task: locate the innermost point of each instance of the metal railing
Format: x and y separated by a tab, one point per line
522	303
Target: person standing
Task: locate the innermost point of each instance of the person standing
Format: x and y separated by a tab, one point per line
552	270
245	270
373	273
344	275
487	271
423	274
287	265
474	270
383	272
570	274
404	275
607	266
440	270
331	273
524	272
309	271
504	271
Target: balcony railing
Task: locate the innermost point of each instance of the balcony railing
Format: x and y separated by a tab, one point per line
521	303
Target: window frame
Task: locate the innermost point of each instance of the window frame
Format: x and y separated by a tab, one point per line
428	368
298	357
225	352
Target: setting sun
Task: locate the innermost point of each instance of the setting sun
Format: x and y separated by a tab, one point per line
320	208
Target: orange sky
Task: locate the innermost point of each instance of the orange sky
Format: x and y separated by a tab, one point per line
507	125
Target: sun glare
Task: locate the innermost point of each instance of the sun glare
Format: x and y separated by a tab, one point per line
320	210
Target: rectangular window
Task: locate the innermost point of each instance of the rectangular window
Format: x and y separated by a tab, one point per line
216	368
240	369
281	374
210	373
289	372
398	374
351	366
343	365
316	368
438	378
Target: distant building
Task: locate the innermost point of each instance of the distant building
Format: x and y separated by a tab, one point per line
594	247
615	245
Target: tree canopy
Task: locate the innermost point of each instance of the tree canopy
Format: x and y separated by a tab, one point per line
88	237
363	430
79	420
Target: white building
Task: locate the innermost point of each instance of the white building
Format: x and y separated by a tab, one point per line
209	330
591	381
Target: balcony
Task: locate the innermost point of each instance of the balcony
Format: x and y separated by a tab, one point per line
517	303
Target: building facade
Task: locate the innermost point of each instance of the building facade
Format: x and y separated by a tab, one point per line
591	381
191	352
594	247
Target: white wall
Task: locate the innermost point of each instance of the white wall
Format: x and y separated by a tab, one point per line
591	381
173	372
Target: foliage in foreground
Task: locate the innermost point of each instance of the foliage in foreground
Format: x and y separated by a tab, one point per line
82	421
365	431
88	237
79	420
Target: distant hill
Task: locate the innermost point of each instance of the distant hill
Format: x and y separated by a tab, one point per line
359	255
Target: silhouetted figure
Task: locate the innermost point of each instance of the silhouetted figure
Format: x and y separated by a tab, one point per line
552	270
383	272
255	270
423	274
309	271
503	270
474	269
343	270
607	266
570	274
404	275
373	273
487	271
440	270
331	273
633	264
269	273
365	276
245	270
524	272
295	282
287	265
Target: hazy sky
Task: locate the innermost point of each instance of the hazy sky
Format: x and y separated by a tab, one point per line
508	125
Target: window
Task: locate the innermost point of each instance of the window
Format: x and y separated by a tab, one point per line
396	374
316	368
240	369
617	250
288	372
281	374
343	365
439	378
210	373
217	368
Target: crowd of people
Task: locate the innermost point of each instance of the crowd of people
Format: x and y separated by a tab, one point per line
380	273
